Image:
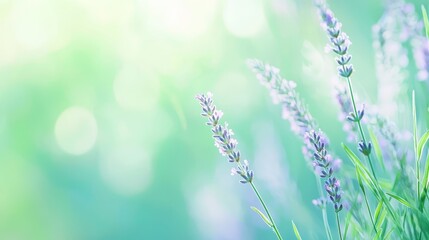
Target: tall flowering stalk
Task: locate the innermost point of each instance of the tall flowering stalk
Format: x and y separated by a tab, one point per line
294	110
339	43
227	146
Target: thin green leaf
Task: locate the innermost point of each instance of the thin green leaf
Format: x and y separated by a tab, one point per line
374	186
417	159
361	170
381	219
266	220
377	212
376	147
426	21
386	184
401	200
425	185
414	122
295	230
359	178
348	220
388	234
421	144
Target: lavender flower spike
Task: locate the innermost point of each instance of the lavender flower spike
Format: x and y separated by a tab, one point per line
283	91
339	40
294	110
223	137
227	146
322	161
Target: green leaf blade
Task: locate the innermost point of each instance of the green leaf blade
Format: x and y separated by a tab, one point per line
421	143
295	230
426	21
262	215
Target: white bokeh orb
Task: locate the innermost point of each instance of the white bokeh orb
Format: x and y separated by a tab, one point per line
76	130
126	170
135	90
244	18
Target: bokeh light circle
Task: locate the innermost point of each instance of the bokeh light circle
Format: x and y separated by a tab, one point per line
127	170
76	130
134	90
244	18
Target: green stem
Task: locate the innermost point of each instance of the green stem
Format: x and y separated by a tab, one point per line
369	209
324	215
415	144
338	226
276	231
362	134
349	83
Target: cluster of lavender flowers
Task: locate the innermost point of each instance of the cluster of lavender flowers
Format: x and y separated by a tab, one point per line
339	44
294	110
397	26
303	125
223	137
323	160
421	56
283	92
339	40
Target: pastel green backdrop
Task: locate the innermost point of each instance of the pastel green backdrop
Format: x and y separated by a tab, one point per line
100	134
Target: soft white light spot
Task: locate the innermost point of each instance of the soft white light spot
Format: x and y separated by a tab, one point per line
183	18
136	91
35	24
76	130
229	85
127	170
217	213
244	18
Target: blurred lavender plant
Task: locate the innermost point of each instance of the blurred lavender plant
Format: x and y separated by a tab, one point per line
294	110
421	57
227	146
283	92
339	43
391	35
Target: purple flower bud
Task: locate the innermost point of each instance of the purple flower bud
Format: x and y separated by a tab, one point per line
364	148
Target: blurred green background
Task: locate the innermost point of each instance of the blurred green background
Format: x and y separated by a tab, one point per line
100	134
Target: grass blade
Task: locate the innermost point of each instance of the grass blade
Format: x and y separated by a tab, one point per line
295	230
426	21
425	185
422	142
401	200
377	212
415	144
266	220
373	185
346	227
376	147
